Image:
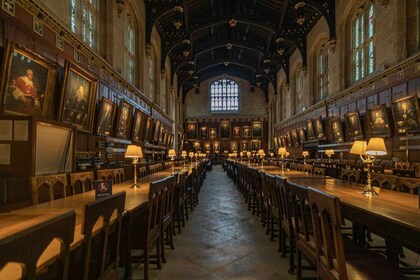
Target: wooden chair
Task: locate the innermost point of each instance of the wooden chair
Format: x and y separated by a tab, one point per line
105	174
146	227
81	182
384	181
48	187
273	201
118	175
350	175
25	247
101	260
339	259
319	171
142	171
168	211
377	169
308	168
286	224
402	165
297	197
405	184
266	217
180	201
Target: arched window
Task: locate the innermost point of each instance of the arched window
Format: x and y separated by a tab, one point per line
363	32
224	96
83	20
322	75
151	75
130	51
298	90
283	104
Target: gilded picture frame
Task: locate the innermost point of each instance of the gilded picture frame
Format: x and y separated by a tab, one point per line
225	130
124	121
310	130
406	114
378	121
28	82
106	117
78	96
354	126
257	129
336	130
137	128
191	133
302	134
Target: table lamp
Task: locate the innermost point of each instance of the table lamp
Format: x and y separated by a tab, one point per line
261	154
305	154
172	154
196	155
184	155
248	154
368	153
135	152
329	153
282	152
241	154
191	154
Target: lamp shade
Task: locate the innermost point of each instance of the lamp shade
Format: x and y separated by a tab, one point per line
281	151
191	154
329	152
183	154
305	153
261	152
248	154
171	152
358	148
376	147
133	151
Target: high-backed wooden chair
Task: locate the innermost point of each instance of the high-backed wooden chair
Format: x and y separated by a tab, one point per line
26	246
118	175
377	169
81	182
168	210
180	201
273	201
308	168
105	174
402	165
303	232
350	175
48	187
319	171
384	181
146	228
286	224
101	257
337	259
405	184
142	171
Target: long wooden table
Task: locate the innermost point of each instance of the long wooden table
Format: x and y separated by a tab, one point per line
13	222
394	215
288	174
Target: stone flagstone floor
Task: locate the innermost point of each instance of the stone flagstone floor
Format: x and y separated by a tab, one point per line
221	240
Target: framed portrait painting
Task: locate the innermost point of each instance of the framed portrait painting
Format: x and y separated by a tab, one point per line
224	130
255	145
27	82
125	118
136	134
310	130
406	114
156	131
203	132
77	98
257	129
106	117
378	121
319	128
191	130
283	141
295	138
236	132
246	131
244	145
212	133
276	142
354	127
301	133
337	130
233	146
148	130
289	139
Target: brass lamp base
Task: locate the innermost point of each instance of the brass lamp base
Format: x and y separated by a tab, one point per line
135	186
370	191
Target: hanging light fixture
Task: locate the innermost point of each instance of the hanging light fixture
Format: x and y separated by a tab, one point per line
186	49
300	17
233	22
195	81
191	67
280	47
177	20
267	66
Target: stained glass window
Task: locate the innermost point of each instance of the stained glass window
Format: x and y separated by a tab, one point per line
363	37
130	55
224	96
